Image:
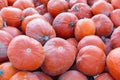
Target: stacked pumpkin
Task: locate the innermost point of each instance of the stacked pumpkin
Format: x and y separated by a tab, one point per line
59	40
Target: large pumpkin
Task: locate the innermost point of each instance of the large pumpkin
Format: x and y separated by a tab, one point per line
40	30
12	16
7	71
25	53
64	24
3	3
60	56
5	39
24	75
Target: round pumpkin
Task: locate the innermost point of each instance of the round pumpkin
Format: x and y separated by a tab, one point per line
56	7
40	30
91	60
104	76
112	61
24	75
12	16
24	50
48	17
81	10
64	24
7	71
29	11
59	56
42	9
28	19
84	27
42	76
91	40
23	4
103	24
5	39
73	75
3	3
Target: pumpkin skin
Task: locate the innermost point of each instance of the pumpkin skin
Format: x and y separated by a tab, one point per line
42	9
7	71
56	7
10	2
29	11
48	17
73	75
5	39
115	38
81	10
91	40
42	31
42	76
45	2
12	16
84	27
1	22
112	61
63	53
103	24
28	19
73	41
12	30
92	56
3	3
23	4
29	50
24	75
115	4
104	76
64	24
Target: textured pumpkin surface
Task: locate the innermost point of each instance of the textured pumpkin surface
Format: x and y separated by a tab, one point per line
3	3
28	55
60	56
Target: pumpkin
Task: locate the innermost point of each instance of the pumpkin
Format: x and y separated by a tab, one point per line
23	4
115	4
48	17
12	16
37	3
91	40
91	60
59	56
45	2
73	41
28	19
64	24
91	2
5	39
102	7
112	61
42	76
104	76
29	11
3	3
40	30
7	71
84	27
115	38
103	24
1	22
81	10
73	75
24	75
42	9
56	7
24	50
12	30
10	2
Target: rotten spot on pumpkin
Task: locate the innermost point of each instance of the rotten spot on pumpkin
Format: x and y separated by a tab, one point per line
1	72
28	50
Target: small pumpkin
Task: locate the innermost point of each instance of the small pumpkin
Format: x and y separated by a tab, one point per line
3	3
25	50
7	71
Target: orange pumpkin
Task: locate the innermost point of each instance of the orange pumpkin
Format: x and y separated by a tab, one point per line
23	4
91	60
7	71
3	3
25	50
64	24
40	30
73	41
73	75
59	56
24	75
12	16
42	9
115	4
42	76
45	2
5	39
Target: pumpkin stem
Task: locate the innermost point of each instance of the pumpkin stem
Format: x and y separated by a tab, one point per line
72	24
46	38
5	23
1	72
76	8
21	18
103	39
